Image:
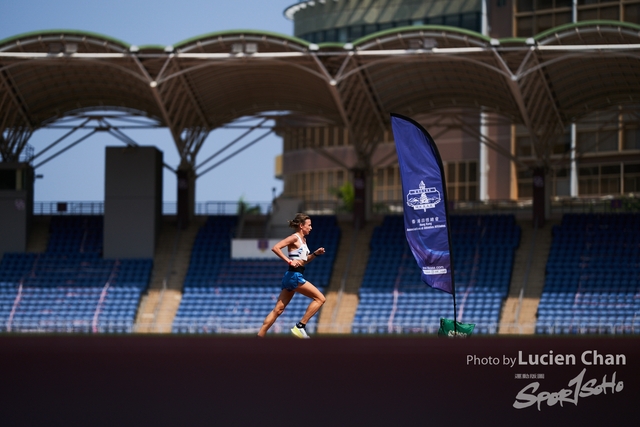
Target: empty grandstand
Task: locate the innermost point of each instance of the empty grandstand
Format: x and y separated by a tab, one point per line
591	285
71	287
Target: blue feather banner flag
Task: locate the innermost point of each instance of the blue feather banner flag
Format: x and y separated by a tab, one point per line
426	218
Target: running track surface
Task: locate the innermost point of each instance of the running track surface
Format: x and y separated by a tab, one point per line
165	380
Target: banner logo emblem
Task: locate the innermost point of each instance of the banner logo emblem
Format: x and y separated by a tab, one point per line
423	198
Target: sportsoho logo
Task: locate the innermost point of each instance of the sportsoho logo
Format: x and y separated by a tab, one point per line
577	388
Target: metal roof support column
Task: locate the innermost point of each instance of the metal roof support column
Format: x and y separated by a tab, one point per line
573	180
178	104
186	178
15	129
363	119
186	174
14	142
541	117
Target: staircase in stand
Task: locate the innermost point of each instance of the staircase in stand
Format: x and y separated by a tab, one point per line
342	295
159	306
519	316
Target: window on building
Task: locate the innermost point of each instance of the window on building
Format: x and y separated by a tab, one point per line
370	29
564	3
597	141
544	22
387	185
343	35
386	26
341	139
563	143
321	137
523	146
610	179
561	18
587	14
452	20
355	32
470	21
631	179
588	178
632	13
544	4
525	184
524	6
461	179
631	137
610	13
302	184
524	26
561	183
599	180
598	132
316	186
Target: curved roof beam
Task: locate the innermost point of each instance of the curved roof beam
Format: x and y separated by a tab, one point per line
454	33
585	27
220	37
203	82
25	41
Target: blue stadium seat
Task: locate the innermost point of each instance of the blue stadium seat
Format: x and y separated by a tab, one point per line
483	247
70	287
592	267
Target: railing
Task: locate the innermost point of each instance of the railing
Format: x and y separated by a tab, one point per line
68	208
323	207
168	208
559	206
604	204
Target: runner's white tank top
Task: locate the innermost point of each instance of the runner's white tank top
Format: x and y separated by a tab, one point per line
302	252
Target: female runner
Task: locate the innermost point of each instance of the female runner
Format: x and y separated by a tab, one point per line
293	281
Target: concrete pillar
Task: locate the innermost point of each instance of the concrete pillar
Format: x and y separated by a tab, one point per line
186	195
16	206
132	202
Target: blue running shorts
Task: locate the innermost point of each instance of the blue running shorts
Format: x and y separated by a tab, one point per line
291	280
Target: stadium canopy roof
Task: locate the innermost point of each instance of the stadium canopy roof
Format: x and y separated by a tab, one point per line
205	82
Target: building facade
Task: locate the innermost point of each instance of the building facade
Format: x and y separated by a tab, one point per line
598	155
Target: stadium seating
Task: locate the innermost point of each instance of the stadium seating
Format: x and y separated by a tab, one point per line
393	298
70	287
592	282
224	295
